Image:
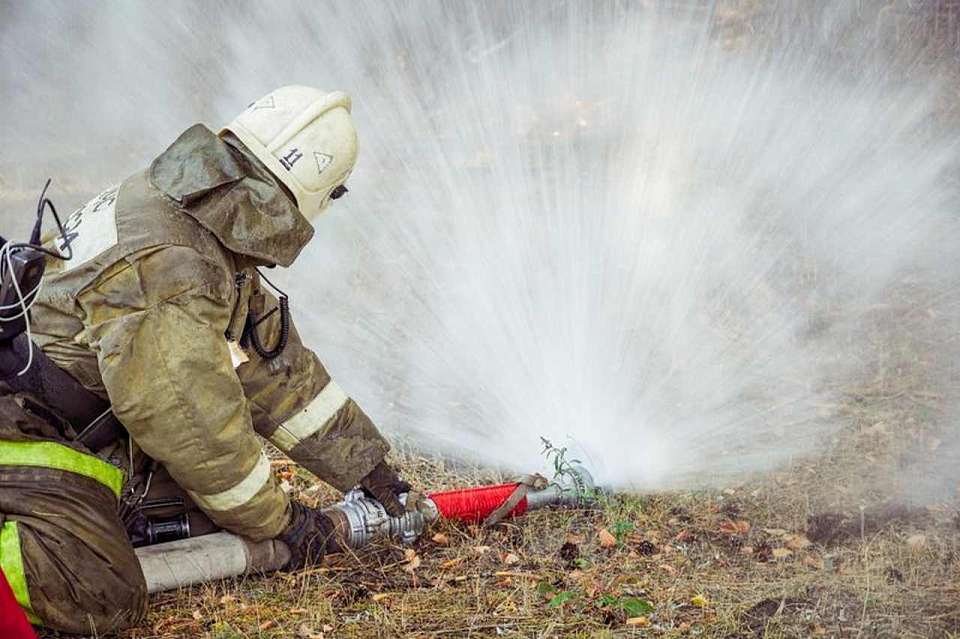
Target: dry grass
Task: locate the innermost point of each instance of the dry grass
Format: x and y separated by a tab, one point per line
705	573
819	549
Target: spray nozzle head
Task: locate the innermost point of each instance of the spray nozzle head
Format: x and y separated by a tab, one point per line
572	487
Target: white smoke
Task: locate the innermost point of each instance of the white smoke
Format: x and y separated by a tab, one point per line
640	231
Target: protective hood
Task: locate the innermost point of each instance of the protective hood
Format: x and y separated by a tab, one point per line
231	194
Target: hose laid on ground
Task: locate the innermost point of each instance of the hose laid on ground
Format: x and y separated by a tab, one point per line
359	521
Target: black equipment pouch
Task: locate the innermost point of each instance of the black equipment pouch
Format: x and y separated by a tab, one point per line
21	276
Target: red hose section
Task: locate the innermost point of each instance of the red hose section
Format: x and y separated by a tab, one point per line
13	621
475	504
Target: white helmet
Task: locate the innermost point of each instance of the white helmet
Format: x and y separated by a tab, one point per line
305	137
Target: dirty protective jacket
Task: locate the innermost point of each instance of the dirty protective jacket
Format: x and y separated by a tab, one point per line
149	312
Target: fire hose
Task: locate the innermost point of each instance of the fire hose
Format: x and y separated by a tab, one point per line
360	521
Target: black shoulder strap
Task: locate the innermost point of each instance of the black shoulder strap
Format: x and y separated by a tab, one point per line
87	413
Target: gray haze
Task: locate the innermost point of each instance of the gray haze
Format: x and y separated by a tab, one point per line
653	234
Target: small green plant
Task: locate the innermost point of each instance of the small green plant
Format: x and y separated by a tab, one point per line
561	598
632	606
621	529
557	597
562	467
565	470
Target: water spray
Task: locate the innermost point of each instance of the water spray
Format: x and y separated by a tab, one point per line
361	521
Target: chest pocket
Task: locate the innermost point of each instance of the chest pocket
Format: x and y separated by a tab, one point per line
244	290
90	230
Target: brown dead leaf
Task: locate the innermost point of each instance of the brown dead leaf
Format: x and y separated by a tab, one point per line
510	559
380	596
880	428
776	532
813	561
739	527
917	542
441	539
668	568
306	632
638	621
266	625
746	550
606	539
412	559
585	581
782	553
481	550
682	536
573	538
796	542
451	563
298	611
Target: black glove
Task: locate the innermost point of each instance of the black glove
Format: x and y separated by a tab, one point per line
384	485
309	536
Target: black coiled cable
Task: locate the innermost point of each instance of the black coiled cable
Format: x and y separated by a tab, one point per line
250	330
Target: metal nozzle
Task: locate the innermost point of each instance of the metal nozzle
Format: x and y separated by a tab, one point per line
361	520
574	487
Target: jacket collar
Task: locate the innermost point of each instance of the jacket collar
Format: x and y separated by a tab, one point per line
246	210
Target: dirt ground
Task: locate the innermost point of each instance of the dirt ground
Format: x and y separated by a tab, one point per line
841	544
755	560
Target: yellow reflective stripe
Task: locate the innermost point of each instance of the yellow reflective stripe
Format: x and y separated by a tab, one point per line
242	492
311	419
11	563
60	457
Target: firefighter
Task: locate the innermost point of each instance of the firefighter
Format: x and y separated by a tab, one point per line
162	310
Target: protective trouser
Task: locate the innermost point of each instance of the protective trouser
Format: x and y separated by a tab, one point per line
62	547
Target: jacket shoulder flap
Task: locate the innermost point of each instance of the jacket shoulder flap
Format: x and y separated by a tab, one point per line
193	166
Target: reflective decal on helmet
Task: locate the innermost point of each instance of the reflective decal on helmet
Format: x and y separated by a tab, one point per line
323	161
265	103
290	158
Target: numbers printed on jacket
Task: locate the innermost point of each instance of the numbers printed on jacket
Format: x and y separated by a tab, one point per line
91	229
